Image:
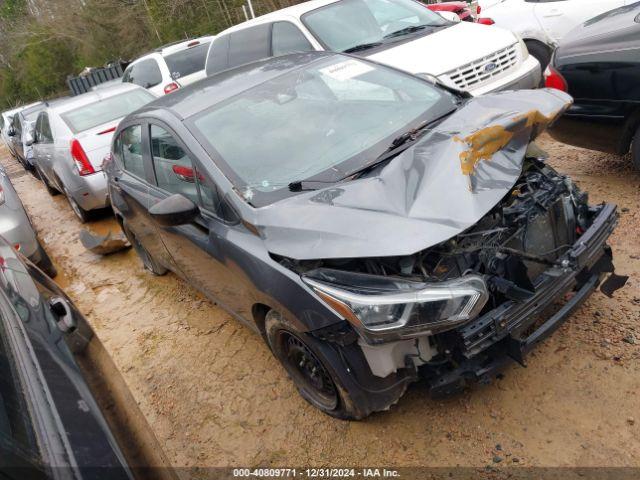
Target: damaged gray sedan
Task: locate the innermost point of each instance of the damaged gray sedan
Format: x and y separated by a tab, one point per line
374	227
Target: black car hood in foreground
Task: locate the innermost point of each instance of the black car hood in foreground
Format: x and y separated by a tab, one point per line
434	190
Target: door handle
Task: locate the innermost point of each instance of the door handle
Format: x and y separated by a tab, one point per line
62	313
552	13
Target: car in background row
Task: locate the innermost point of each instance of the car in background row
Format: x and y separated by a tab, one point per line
543	23
21	134
73	136
598	64
168	68
400	33
5	124
16	226
373	227
55	419
461	9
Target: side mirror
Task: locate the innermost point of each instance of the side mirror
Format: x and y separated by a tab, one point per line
174	211
11	132
452	17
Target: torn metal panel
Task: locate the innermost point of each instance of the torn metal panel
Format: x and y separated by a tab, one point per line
104	244
431	192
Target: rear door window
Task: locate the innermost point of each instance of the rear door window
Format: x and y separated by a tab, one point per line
145	73
249	45
173	168
131	156
287	38
43	129
187	61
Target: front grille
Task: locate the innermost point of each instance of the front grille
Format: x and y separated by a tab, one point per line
479	71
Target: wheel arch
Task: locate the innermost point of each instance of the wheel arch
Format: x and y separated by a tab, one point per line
631	125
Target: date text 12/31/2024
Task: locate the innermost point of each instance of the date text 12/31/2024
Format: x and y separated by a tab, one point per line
315	473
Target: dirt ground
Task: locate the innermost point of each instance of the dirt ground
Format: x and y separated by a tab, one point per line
215	396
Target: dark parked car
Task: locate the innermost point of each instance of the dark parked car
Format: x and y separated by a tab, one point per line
372	226
56	419
598	63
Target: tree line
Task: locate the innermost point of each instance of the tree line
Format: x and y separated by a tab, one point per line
44	41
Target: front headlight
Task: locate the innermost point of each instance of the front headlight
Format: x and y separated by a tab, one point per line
381	304
523	47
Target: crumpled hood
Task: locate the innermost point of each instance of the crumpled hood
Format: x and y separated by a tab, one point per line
441	52
431	192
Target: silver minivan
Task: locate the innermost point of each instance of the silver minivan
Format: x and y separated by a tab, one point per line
72	138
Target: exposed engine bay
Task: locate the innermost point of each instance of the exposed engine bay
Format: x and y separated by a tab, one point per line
503	258
524	235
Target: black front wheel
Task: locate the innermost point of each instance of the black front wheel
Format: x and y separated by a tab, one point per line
325	373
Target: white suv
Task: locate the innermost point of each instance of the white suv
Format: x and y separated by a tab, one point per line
170	67
401	33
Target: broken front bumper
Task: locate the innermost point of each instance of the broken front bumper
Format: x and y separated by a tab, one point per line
511	330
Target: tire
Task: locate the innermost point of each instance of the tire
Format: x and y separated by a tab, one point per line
320	374
50	190
45	264
635	150
540	51
81	213
147	259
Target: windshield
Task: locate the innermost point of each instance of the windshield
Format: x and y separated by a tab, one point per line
106	110
187	61
343	25
318	122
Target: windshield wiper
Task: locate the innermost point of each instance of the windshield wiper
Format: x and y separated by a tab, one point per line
411	29
398	145
362	46
404	31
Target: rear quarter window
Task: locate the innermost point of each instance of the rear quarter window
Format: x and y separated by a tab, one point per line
187	61
249	45
145	73
218	56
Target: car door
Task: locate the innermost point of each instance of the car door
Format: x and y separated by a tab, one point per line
129	185
43	148
17	137
558	17
197	249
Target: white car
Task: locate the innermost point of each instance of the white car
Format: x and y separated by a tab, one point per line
171	67
543	23
401	33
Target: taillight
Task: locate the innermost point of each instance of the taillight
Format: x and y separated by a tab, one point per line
553	79
478	10
171	87
80	158
184	173
486	21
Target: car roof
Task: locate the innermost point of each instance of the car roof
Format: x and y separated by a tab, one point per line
70	103
294	11
183	45
33	108
212	90
174	47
